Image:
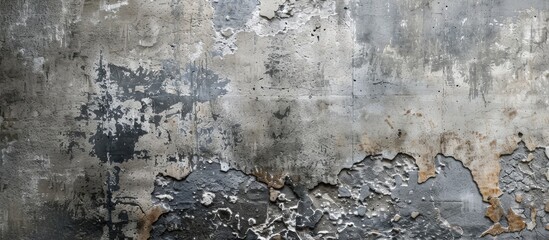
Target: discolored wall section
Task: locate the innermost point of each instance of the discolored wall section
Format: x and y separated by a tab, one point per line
279	119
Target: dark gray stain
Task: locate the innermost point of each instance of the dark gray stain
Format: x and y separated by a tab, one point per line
74	138
377	190
205	84
280	115
448	32
119	145
440	199
152	82
280	70
108	146
59	223
239	203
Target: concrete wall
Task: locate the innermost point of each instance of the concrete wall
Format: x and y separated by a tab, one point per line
273	119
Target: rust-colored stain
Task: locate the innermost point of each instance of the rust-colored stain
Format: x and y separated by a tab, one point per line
272	179
485	170
494	212
425	173
518	198
277	237
368	146
144	225
516	223
510	113
495	230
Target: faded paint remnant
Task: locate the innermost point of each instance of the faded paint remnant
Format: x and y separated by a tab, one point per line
495	230
516	223
274	180
494	212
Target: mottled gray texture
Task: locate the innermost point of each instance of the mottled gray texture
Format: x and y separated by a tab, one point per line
256	119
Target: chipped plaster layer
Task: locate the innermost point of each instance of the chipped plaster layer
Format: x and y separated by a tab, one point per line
329	119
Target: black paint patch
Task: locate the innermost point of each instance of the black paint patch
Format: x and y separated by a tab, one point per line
221	218
136	85
308	214
57	222
118	146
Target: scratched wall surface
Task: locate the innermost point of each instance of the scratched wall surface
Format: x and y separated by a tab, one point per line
274	119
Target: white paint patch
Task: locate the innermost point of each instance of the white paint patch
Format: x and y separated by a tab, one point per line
269	8
164	196
224	166
113	7
207	198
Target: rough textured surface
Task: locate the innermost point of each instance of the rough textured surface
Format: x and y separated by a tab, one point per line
273	119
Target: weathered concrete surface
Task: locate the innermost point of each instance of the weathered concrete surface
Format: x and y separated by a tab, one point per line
273	119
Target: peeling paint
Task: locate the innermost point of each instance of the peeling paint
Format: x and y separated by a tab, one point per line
283	119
